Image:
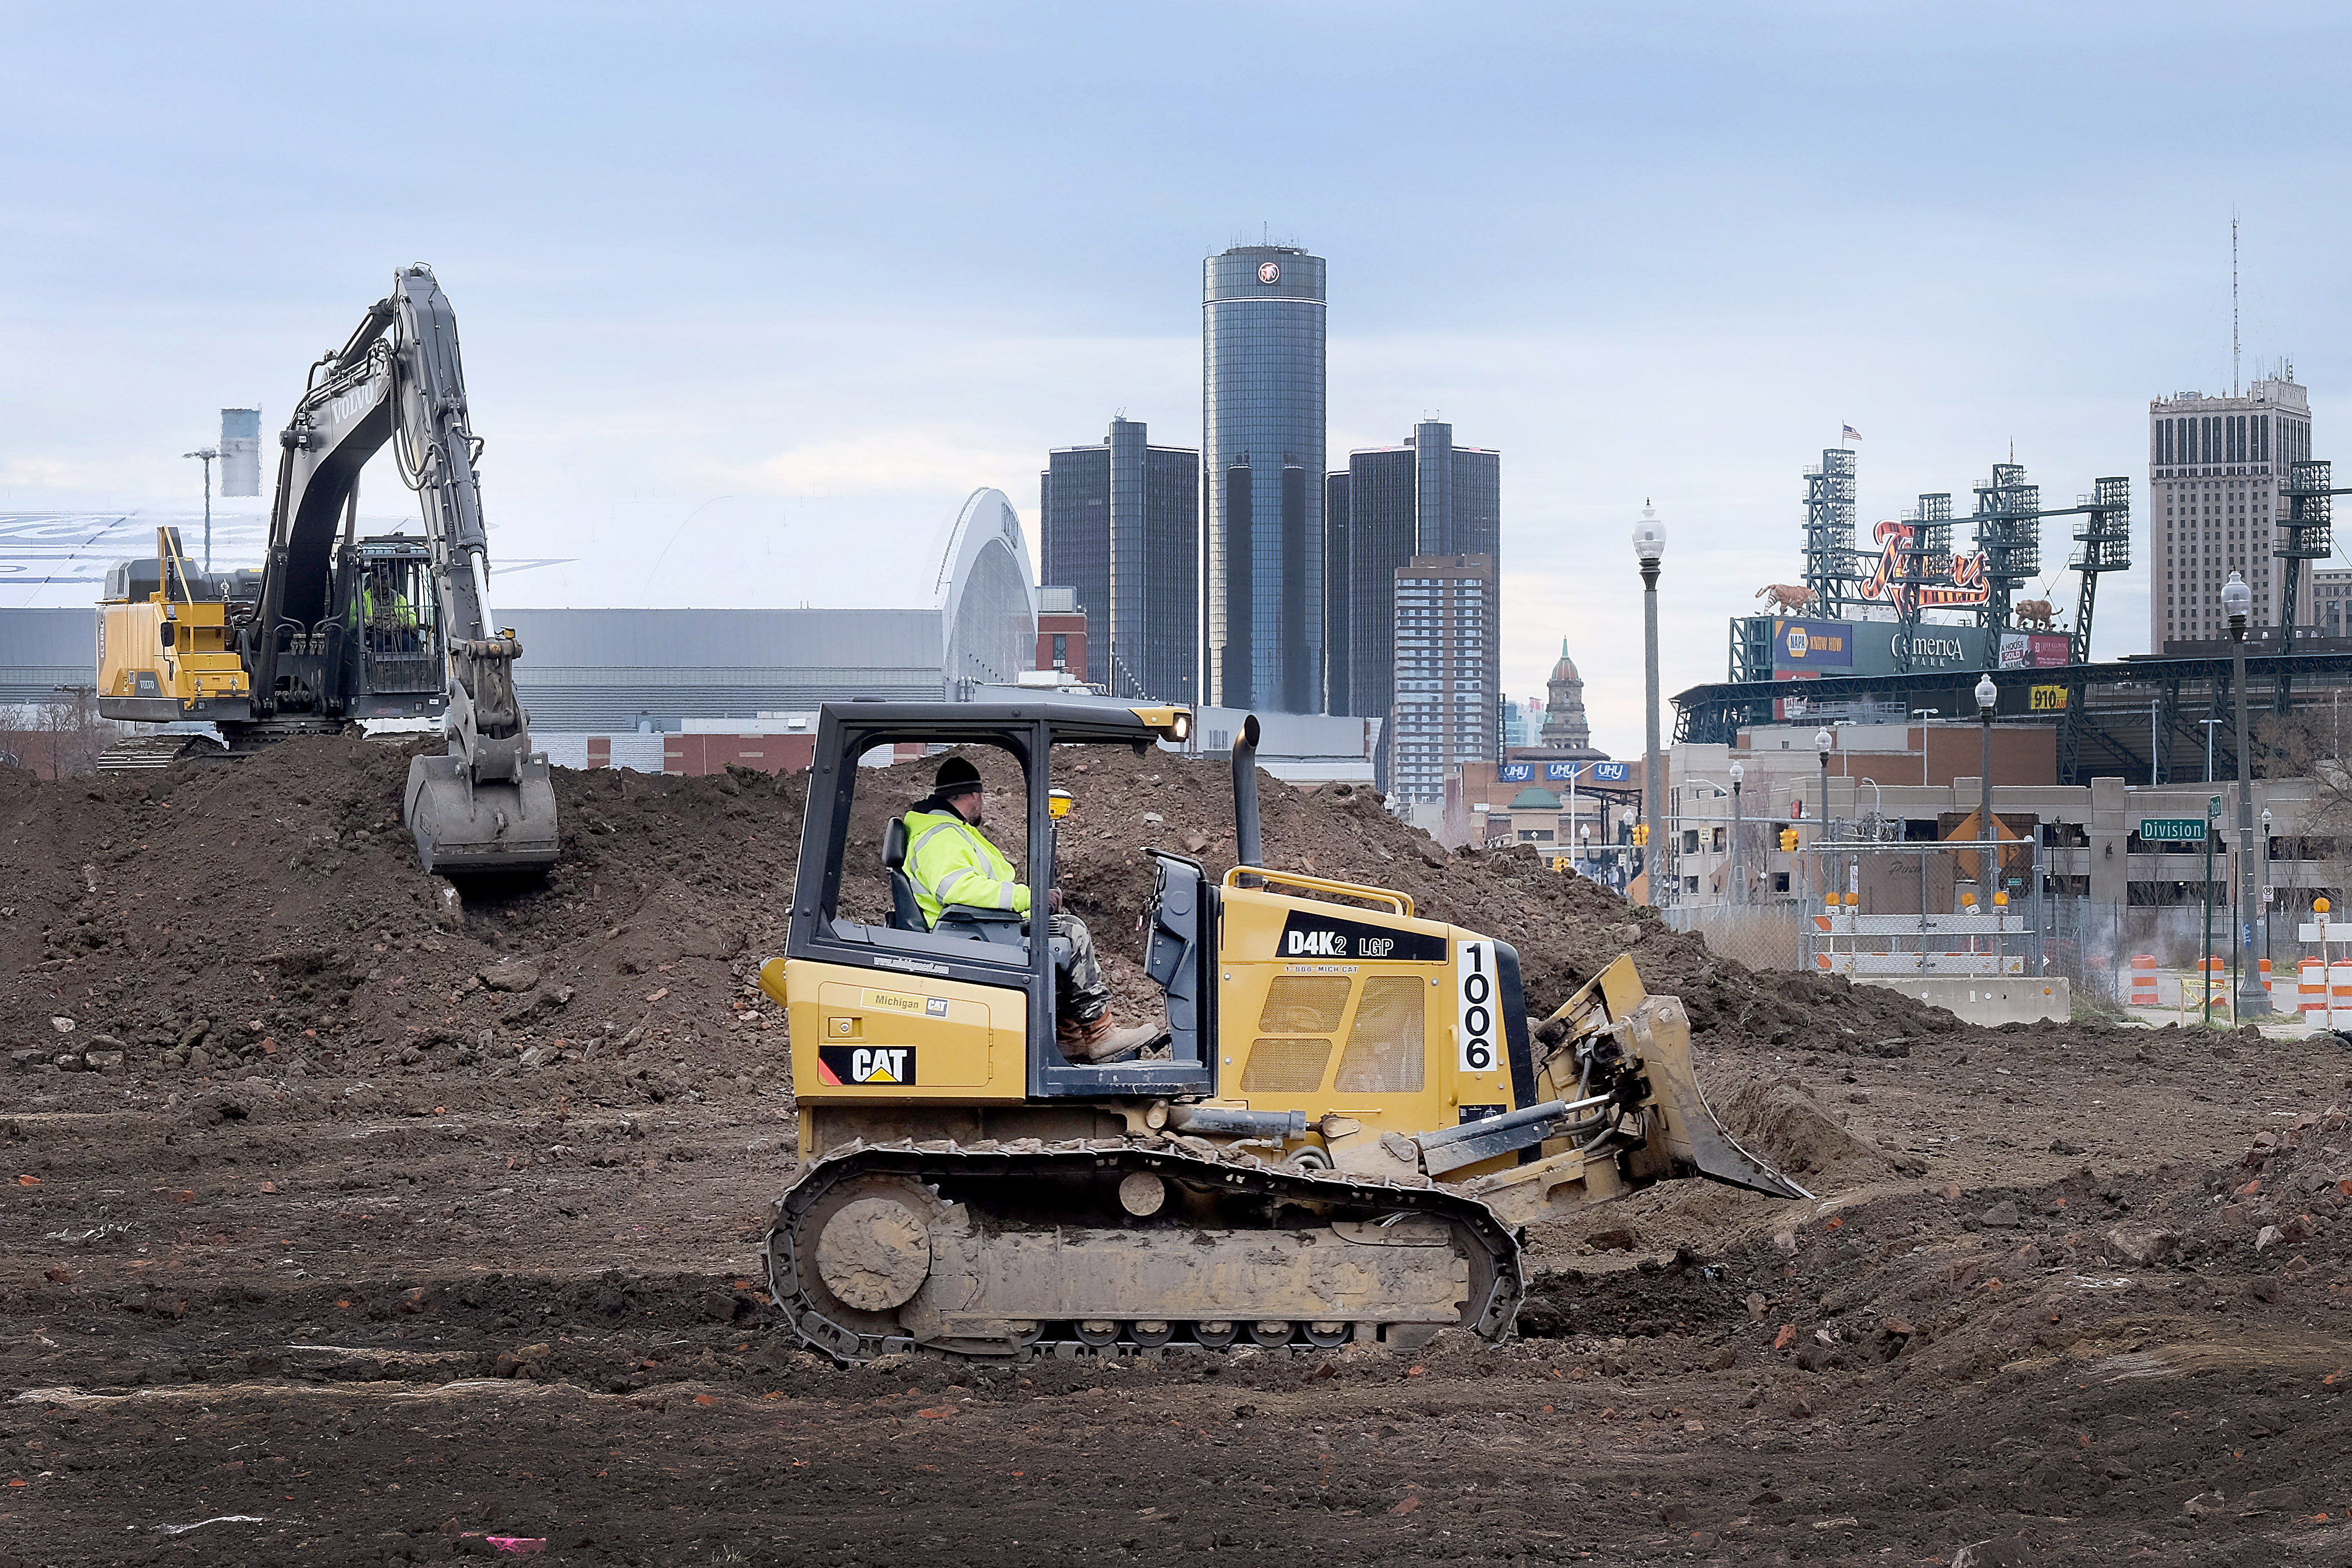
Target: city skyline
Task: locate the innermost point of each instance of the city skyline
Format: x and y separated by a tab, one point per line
691	397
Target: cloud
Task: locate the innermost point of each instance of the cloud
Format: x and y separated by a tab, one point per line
890	461
43	474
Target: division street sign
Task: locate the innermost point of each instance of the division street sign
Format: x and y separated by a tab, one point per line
2172	830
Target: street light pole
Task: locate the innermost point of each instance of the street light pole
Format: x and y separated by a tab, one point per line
2268	897
1738	839
2205	969
1988	873
1649	550
207	453
1822	741
2253	1001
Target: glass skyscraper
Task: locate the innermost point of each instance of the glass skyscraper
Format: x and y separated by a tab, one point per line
1262	396
1120	524
1426	497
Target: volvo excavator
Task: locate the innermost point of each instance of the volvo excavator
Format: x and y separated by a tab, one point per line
1350	1121
335	628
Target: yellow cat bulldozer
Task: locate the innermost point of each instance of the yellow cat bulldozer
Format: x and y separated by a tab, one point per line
1349	1121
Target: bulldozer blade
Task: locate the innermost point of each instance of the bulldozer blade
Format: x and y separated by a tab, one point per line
1659	1033
462	828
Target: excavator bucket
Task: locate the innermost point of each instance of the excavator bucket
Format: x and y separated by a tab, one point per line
464	828
1617	1014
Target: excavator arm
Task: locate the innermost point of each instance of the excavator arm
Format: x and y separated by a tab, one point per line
488	804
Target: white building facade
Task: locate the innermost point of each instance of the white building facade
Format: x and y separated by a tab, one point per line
2216	466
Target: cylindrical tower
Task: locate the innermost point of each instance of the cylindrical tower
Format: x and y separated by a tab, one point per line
1262	464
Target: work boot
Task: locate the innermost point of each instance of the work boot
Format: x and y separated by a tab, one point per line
1097	1040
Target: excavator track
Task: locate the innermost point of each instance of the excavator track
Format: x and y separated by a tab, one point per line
1000	1253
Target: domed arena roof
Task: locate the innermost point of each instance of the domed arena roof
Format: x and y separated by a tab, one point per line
988	608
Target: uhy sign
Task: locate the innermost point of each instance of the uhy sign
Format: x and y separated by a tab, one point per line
1474	994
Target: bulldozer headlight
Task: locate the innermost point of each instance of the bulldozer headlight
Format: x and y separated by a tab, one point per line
1181	727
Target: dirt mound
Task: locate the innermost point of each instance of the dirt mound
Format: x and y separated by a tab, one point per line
1774	1118
222	919
273	915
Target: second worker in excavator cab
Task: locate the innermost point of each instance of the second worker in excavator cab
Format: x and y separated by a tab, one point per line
952	864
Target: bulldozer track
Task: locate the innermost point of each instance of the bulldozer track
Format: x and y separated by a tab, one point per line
1497	1280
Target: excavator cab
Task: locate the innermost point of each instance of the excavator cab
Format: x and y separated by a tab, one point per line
389	631
904	1015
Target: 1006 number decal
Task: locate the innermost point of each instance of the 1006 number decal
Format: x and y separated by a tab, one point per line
1473	993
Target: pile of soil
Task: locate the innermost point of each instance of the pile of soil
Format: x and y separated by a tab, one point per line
410	1217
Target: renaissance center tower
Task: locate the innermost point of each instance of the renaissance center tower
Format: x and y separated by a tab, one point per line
1262	390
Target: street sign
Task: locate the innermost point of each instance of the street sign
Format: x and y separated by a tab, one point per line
2172	830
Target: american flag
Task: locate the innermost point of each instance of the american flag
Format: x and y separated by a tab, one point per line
1851	434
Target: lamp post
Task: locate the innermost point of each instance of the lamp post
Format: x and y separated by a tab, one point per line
1822	741
1649	550
1584	850
2253	1001
1738	844
2268	897
1988	873
207	453
1626	861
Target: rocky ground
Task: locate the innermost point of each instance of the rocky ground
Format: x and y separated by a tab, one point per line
349	1220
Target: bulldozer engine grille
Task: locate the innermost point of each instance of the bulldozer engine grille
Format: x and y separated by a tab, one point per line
1304	1004
1286	1066
1385	1054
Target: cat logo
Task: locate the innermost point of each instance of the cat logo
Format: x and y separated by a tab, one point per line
846	1065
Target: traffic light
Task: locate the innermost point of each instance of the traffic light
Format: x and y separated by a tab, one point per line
1641	835
1789	838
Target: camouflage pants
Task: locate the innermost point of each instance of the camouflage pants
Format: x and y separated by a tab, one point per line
1080	992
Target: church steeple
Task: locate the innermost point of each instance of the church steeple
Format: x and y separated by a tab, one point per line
1564	723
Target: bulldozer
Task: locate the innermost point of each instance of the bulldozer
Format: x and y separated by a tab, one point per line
1348	1123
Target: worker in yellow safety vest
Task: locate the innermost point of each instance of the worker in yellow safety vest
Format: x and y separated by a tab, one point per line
951	863
401	619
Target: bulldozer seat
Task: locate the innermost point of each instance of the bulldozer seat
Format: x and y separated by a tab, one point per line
906	914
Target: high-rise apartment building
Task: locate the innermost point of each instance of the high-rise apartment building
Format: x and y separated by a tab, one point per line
1427	497
1262	404
1120	524
2215	468
1445	710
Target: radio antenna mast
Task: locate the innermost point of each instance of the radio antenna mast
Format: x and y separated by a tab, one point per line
2233	301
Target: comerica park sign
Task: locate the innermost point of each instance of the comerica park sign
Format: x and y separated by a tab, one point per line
2172	830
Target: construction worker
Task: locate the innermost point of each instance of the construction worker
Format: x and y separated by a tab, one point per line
951	863
400	616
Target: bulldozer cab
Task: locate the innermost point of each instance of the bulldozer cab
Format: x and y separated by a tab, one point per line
966	1008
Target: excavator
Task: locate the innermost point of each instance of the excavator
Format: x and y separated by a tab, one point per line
335	628
1348	1123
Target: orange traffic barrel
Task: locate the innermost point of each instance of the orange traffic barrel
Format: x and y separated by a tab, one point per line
2143	980
2311	987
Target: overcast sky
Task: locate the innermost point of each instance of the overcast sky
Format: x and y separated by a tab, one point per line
754	297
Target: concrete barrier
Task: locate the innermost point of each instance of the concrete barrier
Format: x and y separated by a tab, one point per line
1987	1000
